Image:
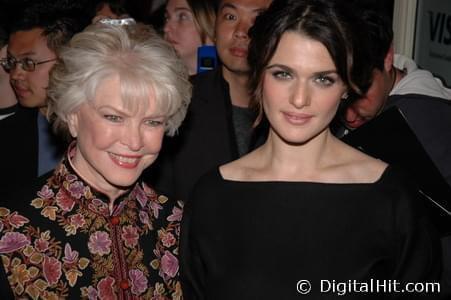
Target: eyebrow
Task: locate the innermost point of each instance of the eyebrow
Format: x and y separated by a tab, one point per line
233	6
126	113
227	5
22	54
287	68
181	8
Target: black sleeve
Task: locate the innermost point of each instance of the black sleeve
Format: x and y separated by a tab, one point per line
192	271
417	253
5	288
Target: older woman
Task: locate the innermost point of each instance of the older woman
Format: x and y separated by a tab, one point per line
304	211
91	228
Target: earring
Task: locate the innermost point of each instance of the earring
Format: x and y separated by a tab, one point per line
345	96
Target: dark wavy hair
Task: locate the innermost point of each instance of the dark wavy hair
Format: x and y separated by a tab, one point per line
328	22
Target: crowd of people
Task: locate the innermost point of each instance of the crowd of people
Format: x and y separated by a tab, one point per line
129	176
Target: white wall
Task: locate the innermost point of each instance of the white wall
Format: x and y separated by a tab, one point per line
422	31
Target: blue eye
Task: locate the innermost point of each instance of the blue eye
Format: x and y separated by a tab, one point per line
153	123
282	75
324	80
113	118
183	17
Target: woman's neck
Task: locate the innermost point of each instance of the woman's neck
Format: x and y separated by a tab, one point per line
301	161
112	192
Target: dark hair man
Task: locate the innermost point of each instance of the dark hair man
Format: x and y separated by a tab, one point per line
218	128
33	45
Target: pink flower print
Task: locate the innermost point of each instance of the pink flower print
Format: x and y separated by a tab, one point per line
119	208
77	189
70	256
149	191
139	281
97	202
64	200
17	220
92	293
130	236
71	177
169	265
105	289
41	245
77	220
167	239
144	218
13	241
155	206
99	243
45	192
176	214
51	268
140	196
99	206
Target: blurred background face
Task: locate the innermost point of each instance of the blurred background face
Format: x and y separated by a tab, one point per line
114	143
106	11
234	19
301	89
181	31
3	75
30	87
366	108
7	96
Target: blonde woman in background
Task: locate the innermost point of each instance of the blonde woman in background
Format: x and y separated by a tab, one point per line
189	24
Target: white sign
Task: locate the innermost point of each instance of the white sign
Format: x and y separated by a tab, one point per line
433	37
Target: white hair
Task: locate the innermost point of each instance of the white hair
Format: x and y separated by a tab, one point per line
135	53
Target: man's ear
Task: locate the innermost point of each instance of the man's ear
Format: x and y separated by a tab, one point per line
72	124
389	58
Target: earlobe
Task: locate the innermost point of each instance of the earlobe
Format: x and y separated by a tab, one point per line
389	58
72	124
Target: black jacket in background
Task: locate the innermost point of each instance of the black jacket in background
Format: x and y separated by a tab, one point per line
205	140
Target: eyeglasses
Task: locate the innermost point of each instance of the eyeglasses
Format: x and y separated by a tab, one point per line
27	64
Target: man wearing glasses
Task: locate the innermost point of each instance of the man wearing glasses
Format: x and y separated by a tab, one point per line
29	148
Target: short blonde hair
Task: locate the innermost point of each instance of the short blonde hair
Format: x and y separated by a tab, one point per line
204	13
135	53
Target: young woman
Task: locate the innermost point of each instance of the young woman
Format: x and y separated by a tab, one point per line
189	24
303	206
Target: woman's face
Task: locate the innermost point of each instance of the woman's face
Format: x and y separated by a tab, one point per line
301	89
115	144
181	31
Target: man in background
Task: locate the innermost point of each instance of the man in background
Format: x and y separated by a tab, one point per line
218	127
30	148
395	80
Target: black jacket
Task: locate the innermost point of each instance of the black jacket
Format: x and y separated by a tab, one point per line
20	148
205	140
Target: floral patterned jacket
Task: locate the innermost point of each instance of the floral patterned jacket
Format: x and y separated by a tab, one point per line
60	241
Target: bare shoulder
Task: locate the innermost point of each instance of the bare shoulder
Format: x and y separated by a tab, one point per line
240	169
360	167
